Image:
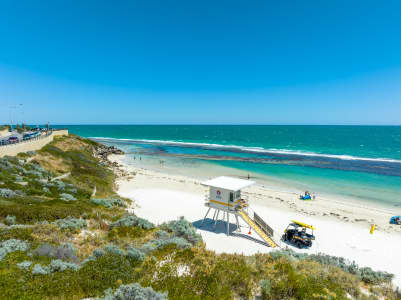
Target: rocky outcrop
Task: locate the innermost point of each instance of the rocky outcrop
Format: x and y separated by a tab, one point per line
103	151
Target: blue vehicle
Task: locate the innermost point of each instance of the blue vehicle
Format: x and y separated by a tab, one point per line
395	220
31	135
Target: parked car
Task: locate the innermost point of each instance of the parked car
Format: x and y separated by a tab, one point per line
13	140
31	135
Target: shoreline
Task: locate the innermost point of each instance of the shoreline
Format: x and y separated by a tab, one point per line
350	180
342	228
283	196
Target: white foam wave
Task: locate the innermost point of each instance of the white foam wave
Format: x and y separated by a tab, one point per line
250	149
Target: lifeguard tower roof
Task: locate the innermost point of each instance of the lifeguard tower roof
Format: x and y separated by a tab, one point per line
228	183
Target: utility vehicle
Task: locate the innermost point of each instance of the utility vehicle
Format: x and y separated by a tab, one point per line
299	234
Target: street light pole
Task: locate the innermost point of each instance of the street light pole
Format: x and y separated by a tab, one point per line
22	114
11	117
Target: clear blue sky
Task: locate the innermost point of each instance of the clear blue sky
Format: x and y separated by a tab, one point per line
215	62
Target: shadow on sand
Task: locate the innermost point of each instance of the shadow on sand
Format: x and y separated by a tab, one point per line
208	225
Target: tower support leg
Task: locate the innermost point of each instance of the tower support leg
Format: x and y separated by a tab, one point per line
217	217
238	227
205	216
214	215
228	223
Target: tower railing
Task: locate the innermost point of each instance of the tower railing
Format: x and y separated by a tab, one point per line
264	226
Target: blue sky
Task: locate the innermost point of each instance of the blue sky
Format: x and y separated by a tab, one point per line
197	62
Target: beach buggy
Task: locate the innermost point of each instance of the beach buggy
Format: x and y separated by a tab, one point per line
395	220
299	234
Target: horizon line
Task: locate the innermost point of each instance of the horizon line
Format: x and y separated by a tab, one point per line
210	124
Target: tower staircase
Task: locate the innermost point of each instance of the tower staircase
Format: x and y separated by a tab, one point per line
262	233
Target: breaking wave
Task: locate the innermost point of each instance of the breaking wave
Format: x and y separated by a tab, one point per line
246	149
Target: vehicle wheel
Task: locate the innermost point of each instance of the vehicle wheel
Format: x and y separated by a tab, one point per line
299	244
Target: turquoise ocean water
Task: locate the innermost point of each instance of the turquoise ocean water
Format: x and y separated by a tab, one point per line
362	162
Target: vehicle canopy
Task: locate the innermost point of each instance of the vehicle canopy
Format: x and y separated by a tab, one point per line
303	224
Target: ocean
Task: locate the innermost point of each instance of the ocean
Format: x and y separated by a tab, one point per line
354	162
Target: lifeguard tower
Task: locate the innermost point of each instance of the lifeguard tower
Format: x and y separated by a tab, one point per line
225	195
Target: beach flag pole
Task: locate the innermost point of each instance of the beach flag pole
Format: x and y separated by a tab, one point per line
372	228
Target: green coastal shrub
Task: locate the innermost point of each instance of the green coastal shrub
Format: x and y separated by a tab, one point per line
5	164
10	220
109	202
38	269
72	224
126	233
60	185
134	291
180	242
135	254
59	265
12	245
183	228
56	265
266	287
38	167
365	274
97	253
161	234
130	221
67	197
72	190
34	173
18	233
25	265
69	247
19	178
374	277
7	193
113	249
289	282
34	209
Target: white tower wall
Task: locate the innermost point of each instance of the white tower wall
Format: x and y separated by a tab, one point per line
220	198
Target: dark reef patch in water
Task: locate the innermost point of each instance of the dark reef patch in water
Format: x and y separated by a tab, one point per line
208	152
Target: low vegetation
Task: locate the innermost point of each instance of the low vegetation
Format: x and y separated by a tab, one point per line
366	274
58	241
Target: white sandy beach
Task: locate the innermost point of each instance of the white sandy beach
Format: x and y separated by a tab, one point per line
342	227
